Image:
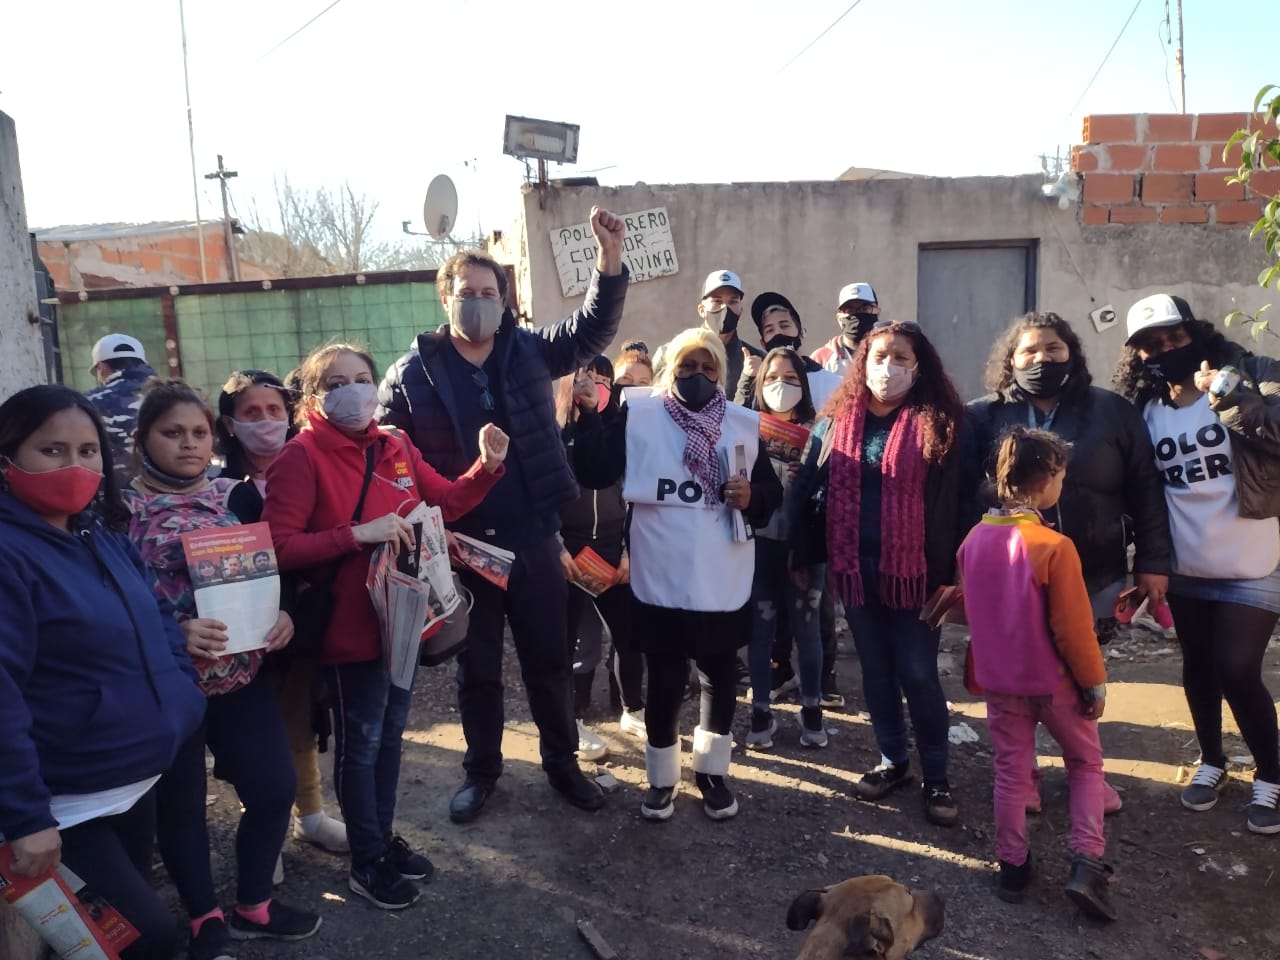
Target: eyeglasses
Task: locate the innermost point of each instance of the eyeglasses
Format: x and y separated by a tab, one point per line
481	380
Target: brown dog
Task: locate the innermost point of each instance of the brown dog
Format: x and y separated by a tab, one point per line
871	917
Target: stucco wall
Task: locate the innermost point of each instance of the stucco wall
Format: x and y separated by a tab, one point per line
22	359
808	239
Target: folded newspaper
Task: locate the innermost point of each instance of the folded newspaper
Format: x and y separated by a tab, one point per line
595	573
236	580
492	563
410	591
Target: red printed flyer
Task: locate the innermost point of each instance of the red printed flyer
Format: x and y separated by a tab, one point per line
236	580
783	439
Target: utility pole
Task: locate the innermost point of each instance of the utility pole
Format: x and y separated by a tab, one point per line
1181	61
222	175
191	143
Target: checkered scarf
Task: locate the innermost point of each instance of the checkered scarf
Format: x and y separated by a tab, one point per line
702	430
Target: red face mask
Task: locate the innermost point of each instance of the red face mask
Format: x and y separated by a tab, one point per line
54	493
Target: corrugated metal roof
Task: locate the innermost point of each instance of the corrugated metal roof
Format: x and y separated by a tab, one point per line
112	231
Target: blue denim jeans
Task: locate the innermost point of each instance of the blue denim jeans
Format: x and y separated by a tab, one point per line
899	656
369	716
771	590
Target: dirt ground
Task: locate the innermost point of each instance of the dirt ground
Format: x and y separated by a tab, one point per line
515	882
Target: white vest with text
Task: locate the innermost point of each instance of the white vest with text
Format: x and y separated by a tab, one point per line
683	555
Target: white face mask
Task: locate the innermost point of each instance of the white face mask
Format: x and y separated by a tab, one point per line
782	396
889	382
351	406
261	438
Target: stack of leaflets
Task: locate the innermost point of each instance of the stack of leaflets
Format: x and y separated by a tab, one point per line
236	580
434	567
492	563
595	573
741	531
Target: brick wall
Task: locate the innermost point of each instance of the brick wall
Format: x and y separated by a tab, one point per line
1168	168
142	260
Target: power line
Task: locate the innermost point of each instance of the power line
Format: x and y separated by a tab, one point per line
820	36
1110	51
298	31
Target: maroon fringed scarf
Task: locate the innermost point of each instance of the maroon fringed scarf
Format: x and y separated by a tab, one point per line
902	553
702	429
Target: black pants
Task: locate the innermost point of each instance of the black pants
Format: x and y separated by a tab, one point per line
671	639
627	666
112	855
534	604
1222	649
245	733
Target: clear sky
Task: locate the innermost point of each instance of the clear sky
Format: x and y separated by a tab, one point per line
388	93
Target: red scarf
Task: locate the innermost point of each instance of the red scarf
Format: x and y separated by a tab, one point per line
902	554
702	432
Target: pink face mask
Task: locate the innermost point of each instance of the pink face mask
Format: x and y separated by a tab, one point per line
602	394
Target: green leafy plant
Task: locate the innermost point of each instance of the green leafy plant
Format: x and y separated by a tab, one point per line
1258	152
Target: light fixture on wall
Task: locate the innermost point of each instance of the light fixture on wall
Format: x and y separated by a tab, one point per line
1066	189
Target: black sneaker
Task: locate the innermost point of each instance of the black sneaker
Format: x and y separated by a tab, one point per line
813	732
939	805
882	780
1087	888
1264	811
381	884
763	727
212	942
283	923
1201	793
412	866
1013	881
832	698
718	801
659	803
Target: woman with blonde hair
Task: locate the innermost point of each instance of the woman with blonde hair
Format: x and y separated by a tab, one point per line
696	474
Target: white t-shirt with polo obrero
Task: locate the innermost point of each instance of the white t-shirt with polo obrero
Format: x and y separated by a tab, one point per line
1210	538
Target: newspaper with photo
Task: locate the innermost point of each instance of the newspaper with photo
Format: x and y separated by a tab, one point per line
434	566
784	440
83	927
595	573
492	563
236	580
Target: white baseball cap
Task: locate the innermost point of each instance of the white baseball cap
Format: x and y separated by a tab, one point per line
721	278
116	346
1157	310
858	290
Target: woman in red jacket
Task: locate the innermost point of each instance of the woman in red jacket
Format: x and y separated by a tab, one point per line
324	529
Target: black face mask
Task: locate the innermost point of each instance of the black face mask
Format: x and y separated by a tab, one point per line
856	326
1176	365
694	391
1043	379
782	340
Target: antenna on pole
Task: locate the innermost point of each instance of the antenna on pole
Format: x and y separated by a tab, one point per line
1182	66
191	144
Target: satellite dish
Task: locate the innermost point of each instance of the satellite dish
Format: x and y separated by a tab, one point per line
440	209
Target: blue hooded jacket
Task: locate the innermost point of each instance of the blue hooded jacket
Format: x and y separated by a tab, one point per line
96	688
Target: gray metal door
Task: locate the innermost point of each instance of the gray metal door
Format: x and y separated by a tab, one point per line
966	296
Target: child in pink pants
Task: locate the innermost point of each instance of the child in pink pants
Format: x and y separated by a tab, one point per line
1037	659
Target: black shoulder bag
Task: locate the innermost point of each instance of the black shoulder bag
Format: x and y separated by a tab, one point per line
313	607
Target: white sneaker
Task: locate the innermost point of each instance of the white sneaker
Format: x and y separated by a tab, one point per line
326	833
632	722
590	747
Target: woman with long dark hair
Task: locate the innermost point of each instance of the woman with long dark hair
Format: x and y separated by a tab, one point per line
97	692
1213	412
1038	377
900	482
255	420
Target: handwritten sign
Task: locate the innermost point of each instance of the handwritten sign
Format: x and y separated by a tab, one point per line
647	249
